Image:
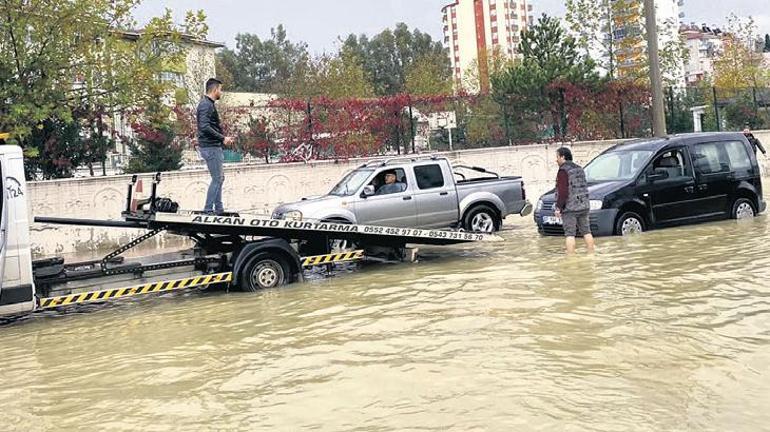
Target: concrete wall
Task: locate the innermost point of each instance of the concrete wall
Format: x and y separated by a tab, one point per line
256	189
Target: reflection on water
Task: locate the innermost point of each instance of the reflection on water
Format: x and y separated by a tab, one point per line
666	331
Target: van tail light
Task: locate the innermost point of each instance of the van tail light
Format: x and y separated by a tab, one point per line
523	191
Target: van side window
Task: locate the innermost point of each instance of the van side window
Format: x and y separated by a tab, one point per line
674	163
710	158
738	155
429	176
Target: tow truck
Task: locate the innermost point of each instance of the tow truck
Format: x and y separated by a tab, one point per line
234	251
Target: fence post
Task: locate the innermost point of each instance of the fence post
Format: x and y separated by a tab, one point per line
716	108
672	113
411	125
620	111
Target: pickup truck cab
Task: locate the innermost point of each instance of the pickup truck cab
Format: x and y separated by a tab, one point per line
421	193
676	180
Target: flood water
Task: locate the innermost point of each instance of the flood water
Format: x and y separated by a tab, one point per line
667	331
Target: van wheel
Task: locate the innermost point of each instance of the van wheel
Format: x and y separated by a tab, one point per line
482	219
629	223
743	209
264	271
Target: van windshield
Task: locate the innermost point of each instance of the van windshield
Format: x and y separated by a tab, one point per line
616	166
351	182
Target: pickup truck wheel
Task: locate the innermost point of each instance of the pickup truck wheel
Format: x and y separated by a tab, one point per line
629	223
481	219
264	271
743	209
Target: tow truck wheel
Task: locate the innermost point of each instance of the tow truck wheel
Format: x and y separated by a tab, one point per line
482	219
264	271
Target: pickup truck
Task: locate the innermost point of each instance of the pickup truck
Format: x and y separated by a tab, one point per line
428	192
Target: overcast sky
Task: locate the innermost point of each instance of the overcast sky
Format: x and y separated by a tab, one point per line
320	23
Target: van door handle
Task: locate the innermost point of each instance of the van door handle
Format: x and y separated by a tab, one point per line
444	193
407	198
689	189
702	187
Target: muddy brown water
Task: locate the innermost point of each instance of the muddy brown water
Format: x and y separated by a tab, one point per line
667	331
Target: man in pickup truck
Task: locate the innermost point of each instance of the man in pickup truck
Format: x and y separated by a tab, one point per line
391	186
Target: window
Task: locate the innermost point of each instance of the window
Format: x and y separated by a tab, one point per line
615	166
429	176
381	181
738	155
673	163
350	183
710	158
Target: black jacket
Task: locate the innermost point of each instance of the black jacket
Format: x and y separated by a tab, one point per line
209	129
755	143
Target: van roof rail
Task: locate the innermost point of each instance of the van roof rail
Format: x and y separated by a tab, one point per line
390	161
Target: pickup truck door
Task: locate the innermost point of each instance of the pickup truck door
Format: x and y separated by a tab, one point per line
393	210
435	195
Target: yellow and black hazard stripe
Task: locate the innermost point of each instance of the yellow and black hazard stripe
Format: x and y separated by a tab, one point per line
149	288
332	258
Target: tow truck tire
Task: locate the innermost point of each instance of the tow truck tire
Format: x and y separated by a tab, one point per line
482	218
264	271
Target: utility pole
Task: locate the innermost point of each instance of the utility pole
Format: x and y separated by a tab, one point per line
658	112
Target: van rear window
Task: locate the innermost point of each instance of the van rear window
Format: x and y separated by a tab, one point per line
738	155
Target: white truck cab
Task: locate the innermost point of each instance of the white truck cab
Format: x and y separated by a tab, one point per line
17	288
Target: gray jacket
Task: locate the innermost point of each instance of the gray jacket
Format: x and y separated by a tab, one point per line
577	196
209	129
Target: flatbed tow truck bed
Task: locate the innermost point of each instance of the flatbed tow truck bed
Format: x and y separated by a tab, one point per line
240	252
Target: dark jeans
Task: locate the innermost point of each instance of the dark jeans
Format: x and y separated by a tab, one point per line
215	158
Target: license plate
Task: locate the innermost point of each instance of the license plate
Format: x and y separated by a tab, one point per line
551	220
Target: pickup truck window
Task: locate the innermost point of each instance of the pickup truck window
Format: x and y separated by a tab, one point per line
429	176
398	178
350	184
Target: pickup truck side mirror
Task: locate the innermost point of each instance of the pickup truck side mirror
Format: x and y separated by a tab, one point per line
657	175
368	191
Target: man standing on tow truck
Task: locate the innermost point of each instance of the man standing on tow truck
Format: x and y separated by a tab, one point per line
572	204
210	142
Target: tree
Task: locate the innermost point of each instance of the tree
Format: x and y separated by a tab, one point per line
739	65
550	58
613	32
390	55
257	139
66	62
428	76
264	66
497	62
342	77
154	147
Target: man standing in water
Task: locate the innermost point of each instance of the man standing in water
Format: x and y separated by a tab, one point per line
210	142
572	204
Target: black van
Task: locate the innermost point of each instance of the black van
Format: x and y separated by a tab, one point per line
652	183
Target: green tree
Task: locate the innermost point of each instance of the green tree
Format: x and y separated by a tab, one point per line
342	77
739	66
264	66
61	60
154	147
613	33
550	57
428	76
390	55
